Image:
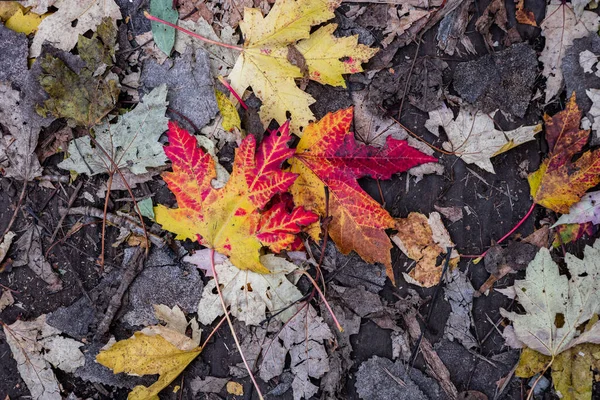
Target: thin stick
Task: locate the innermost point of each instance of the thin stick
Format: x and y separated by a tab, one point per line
69	205
106	200
214	330
314	283
193	34
237	342
14	216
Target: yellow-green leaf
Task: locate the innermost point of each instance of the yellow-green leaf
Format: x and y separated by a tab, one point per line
24	23
231	118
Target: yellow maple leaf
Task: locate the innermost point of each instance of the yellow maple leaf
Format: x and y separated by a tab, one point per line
26	23
149	352
264	65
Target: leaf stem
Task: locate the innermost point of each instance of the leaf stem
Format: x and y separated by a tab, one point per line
235	338
193	34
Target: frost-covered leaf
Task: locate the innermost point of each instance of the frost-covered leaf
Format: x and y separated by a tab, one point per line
35	345
560	28
556	306
221	59
247	294
474	137
84	96
586	210
72	19
132	141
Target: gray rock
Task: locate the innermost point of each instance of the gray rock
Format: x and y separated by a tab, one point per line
162	282
501	80
373	382
191	90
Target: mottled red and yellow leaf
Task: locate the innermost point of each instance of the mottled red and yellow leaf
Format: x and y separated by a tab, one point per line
559	182
328	156
234	220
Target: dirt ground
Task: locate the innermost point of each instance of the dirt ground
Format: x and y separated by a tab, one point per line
495	203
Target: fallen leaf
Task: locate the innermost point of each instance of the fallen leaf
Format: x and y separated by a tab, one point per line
60	31
453	213
579	5
560	28
572	370
37	6
19	145
235	388
586	210
556	306
149	353
146	208
210	384
494	13
328	156
221	59
26	23
5	244
568	233
560	183
8	9
36	346
303	338
29	252
230	219
451	31
423	239
247	294
131	142
459	293
83	97
401	19
474	137
263	63
594	113
6	299
164	35
525	16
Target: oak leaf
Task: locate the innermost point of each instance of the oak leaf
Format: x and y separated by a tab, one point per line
329	156
237	220
560	183
556	306
264	64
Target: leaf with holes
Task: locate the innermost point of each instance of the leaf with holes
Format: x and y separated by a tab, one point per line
239	219
559	183
329	156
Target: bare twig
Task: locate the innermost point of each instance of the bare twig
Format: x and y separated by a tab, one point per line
64	215
117	220
18	206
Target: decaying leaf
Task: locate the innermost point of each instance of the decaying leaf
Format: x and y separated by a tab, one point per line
17	148
221	59
568	233
328	156
459	293
523	15
400	20
572	370
234	220
248	294
30	253
38	6
586	210
60	28
424	239
560	183
561	27
556	306
6	299
474	137
131	142
164	35
36	346
84	97
264	65
302	337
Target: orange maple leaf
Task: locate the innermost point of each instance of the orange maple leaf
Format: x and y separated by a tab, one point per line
328	156
559	183
239	219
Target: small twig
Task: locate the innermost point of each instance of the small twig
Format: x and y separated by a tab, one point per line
64	215
103	234
18	206
410	71
117	220
133	267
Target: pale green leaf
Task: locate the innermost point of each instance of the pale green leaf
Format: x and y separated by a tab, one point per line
164	36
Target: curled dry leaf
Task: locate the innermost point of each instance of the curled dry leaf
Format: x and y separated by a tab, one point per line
329	156
423	239
264	64
238	219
